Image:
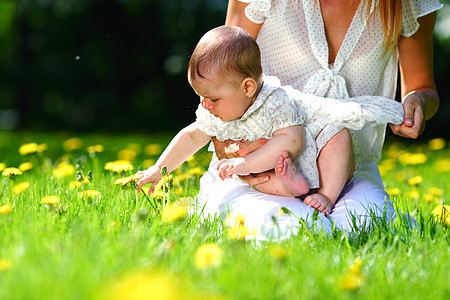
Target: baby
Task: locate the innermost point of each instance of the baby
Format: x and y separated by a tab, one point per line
237	102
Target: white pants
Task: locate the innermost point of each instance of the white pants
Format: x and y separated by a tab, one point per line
262	211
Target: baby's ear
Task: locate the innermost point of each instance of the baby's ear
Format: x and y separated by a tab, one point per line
250	86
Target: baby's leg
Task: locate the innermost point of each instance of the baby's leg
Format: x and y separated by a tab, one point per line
287	173
285	180
336	164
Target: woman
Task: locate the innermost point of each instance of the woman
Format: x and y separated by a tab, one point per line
335	49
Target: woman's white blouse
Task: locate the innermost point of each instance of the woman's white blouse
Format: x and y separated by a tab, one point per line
294	48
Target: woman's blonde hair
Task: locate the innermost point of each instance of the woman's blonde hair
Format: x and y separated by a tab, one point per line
226	51
390	12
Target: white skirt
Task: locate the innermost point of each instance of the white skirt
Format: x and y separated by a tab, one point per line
361	200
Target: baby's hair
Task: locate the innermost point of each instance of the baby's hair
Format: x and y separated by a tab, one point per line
226	51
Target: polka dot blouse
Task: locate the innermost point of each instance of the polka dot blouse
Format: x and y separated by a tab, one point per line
294	48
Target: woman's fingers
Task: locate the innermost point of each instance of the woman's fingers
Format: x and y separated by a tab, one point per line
255	180
414	120
246	147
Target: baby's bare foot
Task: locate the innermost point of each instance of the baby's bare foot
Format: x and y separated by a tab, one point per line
286	171
319	202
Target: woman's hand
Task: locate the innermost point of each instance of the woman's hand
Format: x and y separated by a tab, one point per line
232	149
414	121
256	179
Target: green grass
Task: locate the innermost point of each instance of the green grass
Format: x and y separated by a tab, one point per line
118	246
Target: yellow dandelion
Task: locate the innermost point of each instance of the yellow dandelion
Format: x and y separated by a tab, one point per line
50	199
428	198
28	148
127	154
119	166
415	180
65	158
26	166
435	191
147	163
392	152
73	144
442	165
63	169
240	232
235	219
277	252
153	284
393	191
160	195
42	147
74	184
355	267
126	181
442	214
414	194
5	209
281	213
178	190
412	158
196	171
165	183
173	212
20	187
95	148
153	149
237	230
2	167
386	166
11	172
89	194
436	144
77	184
207	256
136	147
180	178
350	281
5	264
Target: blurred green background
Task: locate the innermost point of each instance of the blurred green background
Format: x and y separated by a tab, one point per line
119	65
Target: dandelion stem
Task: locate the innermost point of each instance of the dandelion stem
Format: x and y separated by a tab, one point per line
155	207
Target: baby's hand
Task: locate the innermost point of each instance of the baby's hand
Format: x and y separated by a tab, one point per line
151	175
229	167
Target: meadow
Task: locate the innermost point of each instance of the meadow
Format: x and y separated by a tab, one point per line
72	226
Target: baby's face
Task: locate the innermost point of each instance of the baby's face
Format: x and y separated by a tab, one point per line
225	100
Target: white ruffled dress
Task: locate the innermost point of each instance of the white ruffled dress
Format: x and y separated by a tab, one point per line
278	107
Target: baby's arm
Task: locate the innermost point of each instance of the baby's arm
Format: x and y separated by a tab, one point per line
187	142
265	158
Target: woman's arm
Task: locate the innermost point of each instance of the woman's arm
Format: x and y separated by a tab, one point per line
236	17
418	90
